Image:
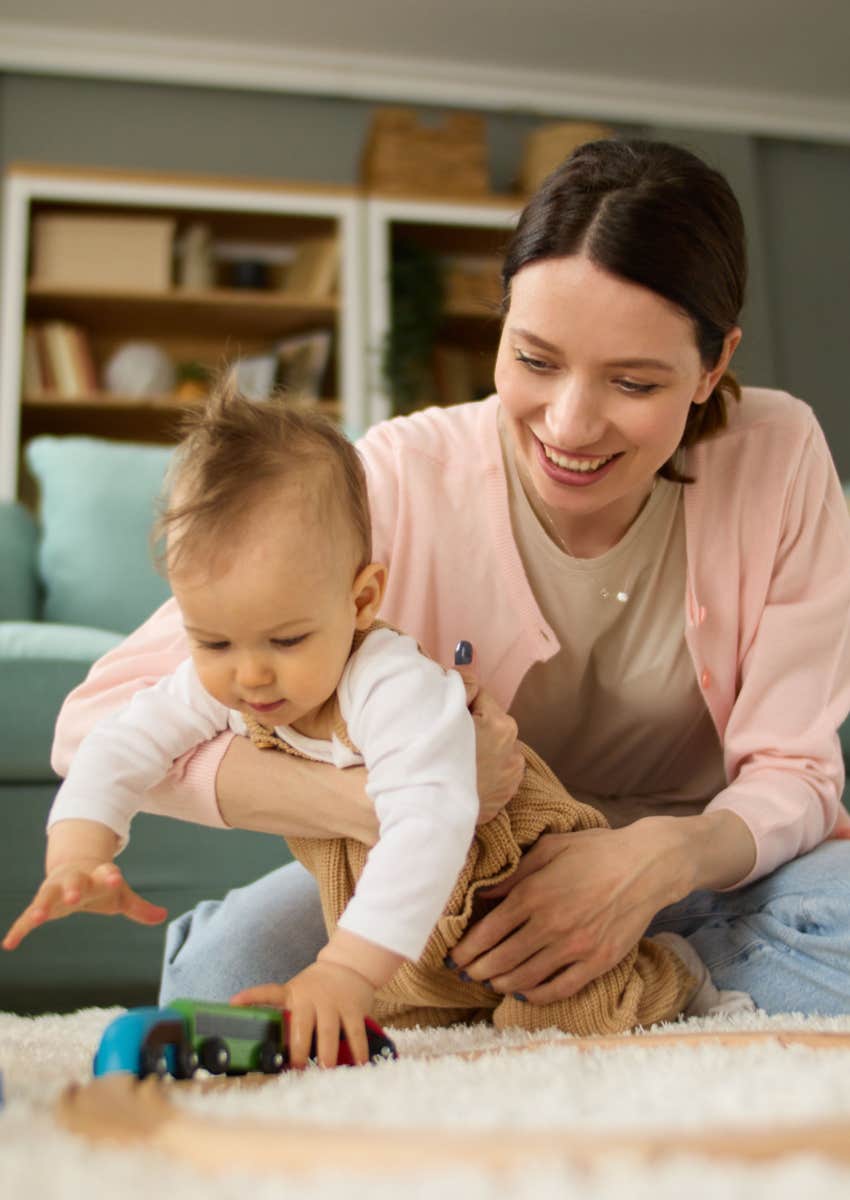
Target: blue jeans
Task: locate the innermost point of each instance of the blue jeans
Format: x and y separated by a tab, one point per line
784	939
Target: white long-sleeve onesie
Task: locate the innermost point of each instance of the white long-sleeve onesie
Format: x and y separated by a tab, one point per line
409	720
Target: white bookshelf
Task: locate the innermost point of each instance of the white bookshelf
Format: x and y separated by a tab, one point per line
359	314
460	227
207	316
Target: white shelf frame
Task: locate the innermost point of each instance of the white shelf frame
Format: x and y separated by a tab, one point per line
381	215
23	189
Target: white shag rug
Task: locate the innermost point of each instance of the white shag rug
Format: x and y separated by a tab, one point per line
676	1089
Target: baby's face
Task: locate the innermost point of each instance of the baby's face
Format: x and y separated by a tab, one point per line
270	625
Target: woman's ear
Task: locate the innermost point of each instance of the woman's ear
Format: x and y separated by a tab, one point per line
711	378
367	592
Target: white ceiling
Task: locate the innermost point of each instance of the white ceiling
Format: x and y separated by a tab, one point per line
750	57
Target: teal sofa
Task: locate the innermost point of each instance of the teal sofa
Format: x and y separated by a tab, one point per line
75	579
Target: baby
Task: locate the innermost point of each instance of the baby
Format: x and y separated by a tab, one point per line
268	553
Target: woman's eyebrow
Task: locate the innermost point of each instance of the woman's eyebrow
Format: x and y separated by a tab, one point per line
659	363
538	341
633	361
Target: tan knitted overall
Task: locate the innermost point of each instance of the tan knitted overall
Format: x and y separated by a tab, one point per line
650	984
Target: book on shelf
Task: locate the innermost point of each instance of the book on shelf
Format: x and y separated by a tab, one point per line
35	377
301	364
314	272
58	361
294	369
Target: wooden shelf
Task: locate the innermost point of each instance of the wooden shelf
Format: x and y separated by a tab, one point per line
109	400
472	311
218	311
105	400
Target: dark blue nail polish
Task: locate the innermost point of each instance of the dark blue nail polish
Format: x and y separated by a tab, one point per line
463	975
463	654
488	985
449	962
519	996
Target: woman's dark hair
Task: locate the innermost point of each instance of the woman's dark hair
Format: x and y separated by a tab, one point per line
656	215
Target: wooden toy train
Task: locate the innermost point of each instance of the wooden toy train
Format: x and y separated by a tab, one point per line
222	1038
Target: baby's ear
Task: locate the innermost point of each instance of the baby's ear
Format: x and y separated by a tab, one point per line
368	593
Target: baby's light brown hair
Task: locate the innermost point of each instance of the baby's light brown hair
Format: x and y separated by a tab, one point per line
235	454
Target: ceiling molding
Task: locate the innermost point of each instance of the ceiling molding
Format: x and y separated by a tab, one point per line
54	50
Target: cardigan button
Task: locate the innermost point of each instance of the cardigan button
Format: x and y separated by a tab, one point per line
705	679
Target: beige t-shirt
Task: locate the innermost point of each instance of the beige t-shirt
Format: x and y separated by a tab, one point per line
617	713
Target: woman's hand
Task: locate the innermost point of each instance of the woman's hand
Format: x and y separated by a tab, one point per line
578	902
576	905
499	762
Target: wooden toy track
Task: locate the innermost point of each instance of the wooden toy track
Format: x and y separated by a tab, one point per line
120	1108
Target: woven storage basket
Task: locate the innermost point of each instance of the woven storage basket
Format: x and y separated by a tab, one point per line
403	155
548	146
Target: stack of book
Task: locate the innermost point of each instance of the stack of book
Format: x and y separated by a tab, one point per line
58	362
314	273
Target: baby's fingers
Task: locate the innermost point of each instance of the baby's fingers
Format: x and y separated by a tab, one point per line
130	904
355	1033
47	905
273	994
302	1023
327	1036
30	919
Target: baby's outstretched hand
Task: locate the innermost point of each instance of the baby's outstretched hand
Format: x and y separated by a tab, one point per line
88	885
320	1000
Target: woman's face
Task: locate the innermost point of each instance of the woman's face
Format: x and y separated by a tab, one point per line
596	377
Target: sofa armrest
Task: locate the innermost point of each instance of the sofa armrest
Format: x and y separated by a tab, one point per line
40	663
19	588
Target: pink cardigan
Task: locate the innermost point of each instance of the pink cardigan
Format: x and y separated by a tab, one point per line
767	609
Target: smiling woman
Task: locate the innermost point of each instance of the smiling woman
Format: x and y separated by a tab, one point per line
655	568
595	415
624	281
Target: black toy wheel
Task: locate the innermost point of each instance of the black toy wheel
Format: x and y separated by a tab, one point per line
214	1056
187	1062
380	1046
272	1058
152	1061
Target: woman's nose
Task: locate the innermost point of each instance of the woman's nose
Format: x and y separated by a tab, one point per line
573	418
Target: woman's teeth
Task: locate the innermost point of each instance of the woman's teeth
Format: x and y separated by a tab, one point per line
575	464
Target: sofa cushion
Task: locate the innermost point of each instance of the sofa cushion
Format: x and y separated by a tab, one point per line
26	640
97	502
19	599
39	665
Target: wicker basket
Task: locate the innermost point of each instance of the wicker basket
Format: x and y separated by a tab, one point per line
548	146
403	155
473	284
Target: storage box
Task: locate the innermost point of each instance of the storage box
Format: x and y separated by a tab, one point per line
548	146
80	251
405	155
474	284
